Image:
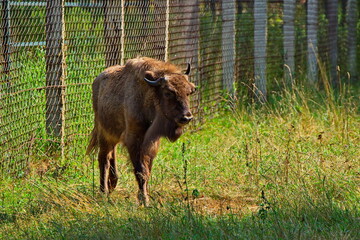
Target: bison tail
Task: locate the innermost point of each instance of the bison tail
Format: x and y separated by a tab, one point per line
93	144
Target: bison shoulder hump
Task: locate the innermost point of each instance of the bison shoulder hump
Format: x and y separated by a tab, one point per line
142	64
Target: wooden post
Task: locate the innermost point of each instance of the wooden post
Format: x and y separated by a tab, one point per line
191	33
351	19
289	40
260	42
113	31
158	34
228	44
55	68
6	42
312	42
332	10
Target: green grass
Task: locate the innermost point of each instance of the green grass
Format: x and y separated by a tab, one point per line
288	170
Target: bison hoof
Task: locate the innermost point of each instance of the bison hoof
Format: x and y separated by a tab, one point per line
112	184
143	199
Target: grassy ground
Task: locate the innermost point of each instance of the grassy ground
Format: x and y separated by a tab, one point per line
289	170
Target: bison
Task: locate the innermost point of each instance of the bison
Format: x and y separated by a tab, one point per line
136	104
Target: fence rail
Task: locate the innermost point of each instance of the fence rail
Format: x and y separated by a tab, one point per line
52	50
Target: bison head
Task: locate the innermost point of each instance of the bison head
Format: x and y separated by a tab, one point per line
173	90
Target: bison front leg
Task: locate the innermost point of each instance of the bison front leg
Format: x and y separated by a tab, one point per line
149	150
142	155
148	153
142	174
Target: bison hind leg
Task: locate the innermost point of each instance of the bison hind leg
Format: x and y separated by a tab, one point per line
107	165
113	175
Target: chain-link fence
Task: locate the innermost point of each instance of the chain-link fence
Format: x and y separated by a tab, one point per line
52	50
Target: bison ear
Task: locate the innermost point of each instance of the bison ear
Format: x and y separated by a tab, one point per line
149	79
149	76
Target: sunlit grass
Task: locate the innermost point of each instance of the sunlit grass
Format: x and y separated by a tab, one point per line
287	170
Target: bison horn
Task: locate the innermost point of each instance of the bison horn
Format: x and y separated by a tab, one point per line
188	69
154	83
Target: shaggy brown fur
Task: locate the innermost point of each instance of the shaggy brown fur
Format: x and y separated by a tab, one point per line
137	104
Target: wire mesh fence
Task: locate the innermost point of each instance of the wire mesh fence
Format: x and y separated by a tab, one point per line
52	50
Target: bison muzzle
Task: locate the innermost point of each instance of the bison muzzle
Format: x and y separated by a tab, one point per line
137	104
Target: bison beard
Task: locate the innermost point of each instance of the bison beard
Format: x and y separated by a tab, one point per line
172	130
137	104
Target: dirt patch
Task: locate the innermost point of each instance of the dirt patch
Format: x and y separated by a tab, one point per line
213	205
220	205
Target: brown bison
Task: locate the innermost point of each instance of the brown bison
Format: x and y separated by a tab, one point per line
137	104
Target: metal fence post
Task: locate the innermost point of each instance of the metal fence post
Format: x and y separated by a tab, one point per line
228	44
167	23
6	42
112	31
55	68
122	39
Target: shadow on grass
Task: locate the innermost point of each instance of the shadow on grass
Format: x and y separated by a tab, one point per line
176	222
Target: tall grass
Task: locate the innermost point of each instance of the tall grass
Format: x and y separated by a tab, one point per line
287	170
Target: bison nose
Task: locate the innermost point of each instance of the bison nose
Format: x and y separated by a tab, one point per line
186	119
